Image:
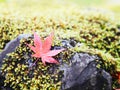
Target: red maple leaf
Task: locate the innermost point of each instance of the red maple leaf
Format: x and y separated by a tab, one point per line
118	76
42	50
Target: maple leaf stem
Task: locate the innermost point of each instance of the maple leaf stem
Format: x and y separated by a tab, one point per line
34	62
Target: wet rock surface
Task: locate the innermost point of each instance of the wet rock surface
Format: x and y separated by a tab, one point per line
68	43
83	74
10	46
80	74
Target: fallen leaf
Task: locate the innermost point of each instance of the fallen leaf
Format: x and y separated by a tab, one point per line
42	50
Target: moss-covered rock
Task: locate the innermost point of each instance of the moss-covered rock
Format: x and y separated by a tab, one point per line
96	31
21	74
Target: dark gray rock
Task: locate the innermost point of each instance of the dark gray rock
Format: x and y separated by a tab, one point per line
10	46
83	74
69	43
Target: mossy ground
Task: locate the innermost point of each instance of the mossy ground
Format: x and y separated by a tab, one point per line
97	30
21	74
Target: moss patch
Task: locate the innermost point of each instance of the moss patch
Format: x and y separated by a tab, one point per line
20	73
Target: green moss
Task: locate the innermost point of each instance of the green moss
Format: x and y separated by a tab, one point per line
19	74
92	28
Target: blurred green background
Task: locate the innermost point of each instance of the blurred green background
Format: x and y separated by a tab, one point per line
44	5
112	5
